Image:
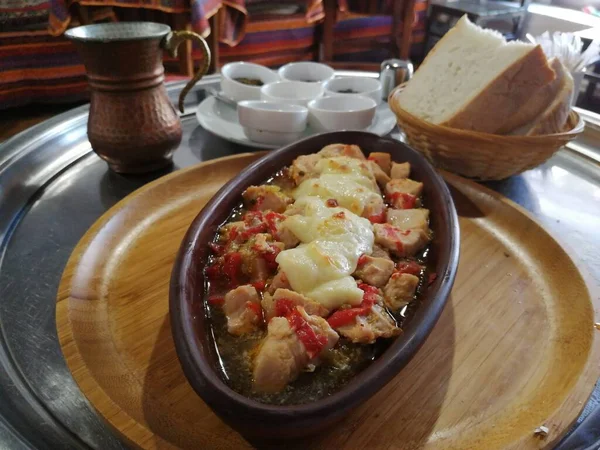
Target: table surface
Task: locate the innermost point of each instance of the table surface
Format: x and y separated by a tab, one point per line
52	188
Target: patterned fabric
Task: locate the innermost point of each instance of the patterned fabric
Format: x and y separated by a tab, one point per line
200	11
19	15
36	67
273	48
234	21
354	26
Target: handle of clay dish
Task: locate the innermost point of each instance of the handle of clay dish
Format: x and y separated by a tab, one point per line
172	42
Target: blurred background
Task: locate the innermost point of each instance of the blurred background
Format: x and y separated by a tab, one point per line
41	73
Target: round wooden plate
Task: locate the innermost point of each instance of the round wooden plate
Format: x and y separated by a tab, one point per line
514	349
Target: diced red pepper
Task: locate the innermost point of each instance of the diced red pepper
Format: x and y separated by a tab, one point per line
213	272
403	200
272	219
332	203
377	218
218	249
370	294
410	267
345	316
432	278
251	231
233	234
313	342
256	309
362	259
216	300
259	285
270	257
232	266
283	307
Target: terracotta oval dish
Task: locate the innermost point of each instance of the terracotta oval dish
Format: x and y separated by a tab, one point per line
193	335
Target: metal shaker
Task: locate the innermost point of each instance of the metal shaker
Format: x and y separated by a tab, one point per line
392	73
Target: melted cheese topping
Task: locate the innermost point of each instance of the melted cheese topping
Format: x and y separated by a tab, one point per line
348	180
332	240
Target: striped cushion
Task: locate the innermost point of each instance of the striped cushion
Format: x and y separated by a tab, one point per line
359	27
272	47
36	67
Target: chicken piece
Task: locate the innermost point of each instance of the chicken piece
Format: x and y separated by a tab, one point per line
400	290
379	252
256	268
265	198
280	358
400	171
303	167
263	243
375	210
289	348
383	160
366	329
399	242
406	219
381	177
288	238
294	299
279	281
352	151
374	271
242	309
274	224
403	193
258	256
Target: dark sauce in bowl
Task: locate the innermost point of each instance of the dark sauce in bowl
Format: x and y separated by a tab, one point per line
340	364
249	81
348	91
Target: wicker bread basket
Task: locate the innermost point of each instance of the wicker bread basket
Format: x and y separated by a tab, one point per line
481	155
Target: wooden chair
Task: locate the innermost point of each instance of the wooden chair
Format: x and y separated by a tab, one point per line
397	42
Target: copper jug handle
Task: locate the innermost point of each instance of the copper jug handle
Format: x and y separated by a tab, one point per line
171	43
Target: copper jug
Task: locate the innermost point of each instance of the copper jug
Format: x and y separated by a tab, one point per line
132	124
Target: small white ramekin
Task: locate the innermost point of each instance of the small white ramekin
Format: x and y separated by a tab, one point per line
239	91
270	122
306	71
368	87
291	92
343	112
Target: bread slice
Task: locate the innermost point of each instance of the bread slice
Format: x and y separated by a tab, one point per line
474	80
537	103
554	117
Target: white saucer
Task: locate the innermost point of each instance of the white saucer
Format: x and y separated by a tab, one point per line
222	120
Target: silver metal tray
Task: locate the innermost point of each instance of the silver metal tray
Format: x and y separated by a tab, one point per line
53	187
